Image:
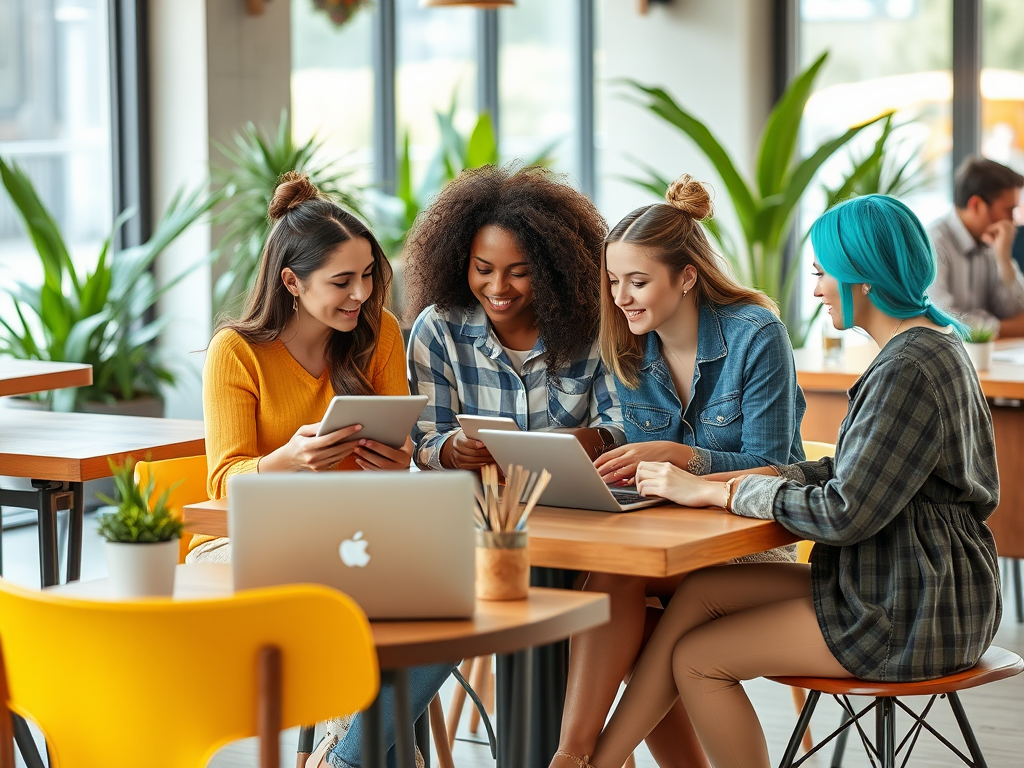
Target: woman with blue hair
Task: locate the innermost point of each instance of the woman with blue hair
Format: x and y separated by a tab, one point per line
903	582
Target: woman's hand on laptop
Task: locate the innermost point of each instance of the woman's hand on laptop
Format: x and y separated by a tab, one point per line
618	466
462	452
374	456
668	481
305	452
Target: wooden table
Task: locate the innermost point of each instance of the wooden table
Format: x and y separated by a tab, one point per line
653	542
825	387
24	377
505	627
60	451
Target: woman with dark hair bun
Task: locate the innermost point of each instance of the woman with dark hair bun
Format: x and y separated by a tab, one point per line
314	326
504	274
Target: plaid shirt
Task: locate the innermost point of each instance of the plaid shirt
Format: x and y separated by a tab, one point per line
458	363
904	571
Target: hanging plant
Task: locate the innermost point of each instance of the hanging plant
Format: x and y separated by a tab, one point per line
340	11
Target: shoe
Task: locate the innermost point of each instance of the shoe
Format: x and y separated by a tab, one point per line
581	762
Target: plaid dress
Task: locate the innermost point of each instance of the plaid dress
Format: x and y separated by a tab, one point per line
904	571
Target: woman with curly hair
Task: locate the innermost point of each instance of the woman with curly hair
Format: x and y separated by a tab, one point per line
706	378
504	274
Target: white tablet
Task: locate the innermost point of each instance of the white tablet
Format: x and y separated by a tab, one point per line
472	425
387	419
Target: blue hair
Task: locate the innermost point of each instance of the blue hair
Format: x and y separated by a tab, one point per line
876	239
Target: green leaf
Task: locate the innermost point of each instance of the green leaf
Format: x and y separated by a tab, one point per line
662	104
482	147
782	131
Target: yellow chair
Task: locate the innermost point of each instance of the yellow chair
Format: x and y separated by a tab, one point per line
104	682
186	479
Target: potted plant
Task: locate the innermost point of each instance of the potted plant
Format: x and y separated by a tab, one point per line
766	205
980	344
141	537
102	317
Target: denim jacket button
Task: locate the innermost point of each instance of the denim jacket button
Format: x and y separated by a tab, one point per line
647	423
720	419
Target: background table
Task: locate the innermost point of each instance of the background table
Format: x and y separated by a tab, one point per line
60	451
25	377
502	627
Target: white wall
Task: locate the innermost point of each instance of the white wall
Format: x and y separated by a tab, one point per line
713	56
212	68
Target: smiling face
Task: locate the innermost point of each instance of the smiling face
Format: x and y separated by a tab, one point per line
499	277
643	288
826	288
334	294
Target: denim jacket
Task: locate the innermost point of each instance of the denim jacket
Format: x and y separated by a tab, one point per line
745	406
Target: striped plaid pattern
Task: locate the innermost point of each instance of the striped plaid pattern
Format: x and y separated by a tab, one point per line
904	571
458	363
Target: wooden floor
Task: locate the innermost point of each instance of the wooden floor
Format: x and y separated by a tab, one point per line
996	711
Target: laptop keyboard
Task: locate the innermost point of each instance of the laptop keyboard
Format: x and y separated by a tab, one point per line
626	497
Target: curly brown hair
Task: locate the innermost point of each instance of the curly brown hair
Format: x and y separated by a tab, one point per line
558	229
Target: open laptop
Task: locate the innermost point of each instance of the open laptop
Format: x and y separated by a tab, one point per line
575	482
401	545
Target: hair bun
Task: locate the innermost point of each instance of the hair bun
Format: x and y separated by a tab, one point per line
689	196
293	189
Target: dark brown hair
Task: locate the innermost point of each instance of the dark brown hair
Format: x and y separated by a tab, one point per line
558	230
307	228
985	178
671	235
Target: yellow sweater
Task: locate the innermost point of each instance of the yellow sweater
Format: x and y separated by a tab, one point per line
256	396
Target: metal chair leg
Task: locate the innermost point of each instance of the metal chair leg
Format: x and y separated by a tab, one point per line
421	735
840	747
885	732
305	745
801	726
965	727
1017	597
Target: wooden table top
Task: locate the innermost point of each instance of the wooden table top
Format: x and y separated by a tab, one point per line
1005	380
547	616
23	377
73	447
653	542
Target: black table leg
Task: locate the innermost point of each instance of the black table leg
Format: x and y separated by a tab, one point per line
548	670
515	714
405	740
422	729
374	754
75	521
49	557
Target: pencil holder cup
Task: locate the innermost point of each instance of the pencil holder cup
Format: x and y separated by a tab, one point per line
502	565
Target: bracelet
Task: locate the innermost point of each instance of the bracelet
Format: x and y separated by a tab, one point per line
729	490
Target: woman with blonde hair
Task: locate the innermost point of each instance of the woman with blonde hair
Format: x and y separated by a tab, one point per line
706	380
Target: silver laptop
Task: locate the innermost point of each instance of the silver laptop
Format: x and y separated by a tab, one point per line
401	545
575	482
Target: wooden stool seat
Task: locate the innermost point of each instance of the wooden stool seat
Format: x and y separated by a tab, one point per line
995	664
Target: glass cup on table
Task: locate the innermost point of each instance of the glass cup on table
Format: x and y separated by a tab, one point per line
831	342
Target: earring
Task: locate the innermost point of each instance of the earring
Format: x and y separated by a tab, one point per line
867	289
295	303
684	293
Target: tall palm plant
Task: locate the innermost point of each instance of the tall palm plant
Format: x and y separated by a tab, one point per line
765	207
248	178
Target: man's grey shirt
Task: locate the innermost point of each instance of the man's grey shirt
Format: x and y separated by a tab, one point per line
968	282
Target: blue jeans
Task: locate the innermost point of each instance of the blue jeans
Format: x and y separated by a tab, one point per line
424	682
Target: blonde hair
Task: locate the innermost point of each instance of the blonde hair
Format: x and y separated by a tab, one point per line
671	234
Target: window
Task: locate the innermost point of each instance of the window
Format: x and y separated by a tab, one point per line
537	70
55	124
332	85
436	68
1002	83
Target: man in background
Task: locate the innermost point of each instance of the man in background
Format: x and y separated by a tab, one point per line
977	278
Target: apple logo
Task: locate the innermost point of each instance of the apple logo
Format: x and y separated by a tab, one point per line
353	551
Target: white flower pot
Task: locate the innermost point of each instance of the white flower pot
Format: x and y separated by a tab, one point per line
981	354
142	570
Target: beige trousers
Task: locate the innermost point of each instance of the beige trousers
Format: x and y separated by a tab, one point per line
723	625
